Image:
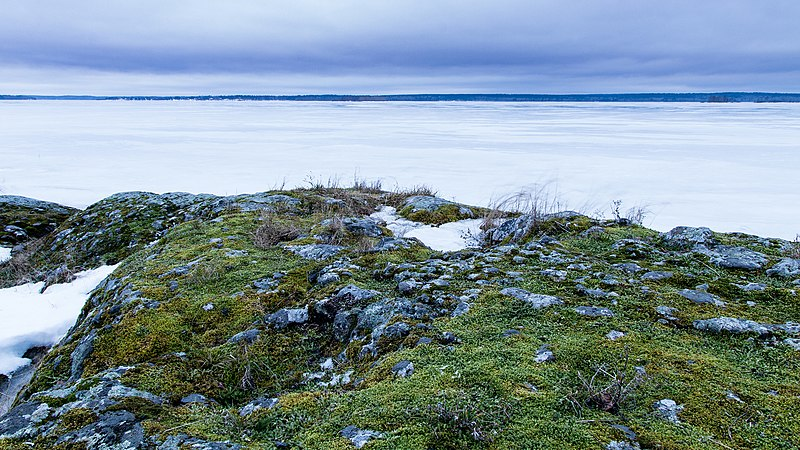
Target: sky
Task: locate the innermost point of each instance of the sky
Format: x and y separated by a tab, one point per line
186	47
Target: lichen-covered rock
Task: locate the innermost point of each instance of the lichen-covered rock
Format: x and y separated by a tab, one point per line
701	297
359	437
668	410
730	325
684	238
785	268
434	210
23	218
316	252
731	257
537	301
594	311
288	316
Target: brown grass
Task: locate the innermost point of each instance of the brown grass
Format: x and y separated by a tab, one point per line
274	230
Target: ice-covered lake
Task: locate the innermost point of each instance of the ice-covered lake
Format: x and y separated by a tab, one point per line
732	167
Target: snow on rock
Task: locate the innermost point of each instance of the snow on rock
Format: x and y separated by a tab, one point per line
5	254
446	237
29	319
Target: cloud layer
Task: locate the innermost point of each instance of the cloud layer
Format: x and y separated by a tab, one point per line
386	46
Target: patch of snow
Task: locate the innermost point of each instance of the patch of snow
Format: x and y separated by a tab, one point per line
447	237
29	319
5	254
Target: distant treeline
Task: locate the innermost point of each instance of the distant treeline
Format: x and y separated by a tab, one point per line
716	97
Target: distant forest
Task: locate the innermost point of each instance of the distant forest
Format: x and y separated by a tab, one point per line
716	97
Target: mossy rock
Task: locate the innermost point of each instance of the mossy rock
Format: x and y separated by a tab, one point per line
23	219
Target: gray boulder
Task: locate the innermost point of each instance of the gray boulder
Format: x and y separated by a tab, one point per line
537	301
317	252
730	325
701	297
786	268
287	316
736	258
687	237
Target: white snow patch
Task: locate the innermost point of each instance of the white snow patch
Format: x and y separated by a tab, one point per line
447	237
5	254
29	319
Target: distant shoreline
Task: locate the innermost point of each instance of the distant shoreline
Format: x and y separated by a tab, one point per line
713	97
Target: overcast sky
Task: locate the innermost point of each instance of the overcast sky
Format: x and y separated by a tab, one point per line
123	47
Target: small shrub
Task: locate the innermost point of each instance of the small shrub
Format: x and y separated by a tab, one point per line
794	248
633	216
609	387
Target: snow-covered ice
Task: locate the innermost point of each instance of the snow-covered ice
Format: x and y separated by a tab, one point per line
5	253
731	167
28	318
446	237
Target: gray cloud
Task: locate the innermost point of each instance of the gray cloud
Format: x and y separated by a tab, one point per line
504	43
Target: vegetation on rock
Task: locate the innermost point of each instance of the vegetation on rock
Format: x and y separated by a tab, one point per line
283	320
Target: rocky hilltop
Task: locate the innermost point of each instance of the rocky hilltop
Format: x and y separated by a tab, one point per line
296	320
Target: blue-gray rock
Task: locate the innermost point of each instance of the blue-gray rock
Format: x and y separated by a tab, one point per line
317	252
750	287
352	294
403	369
424	340
81	352
362	226
731	325
359	437
288	316
687	237
387	244
627	267
327	278
736	257
544	354
195	398
343	324
594	311
701	297
407	286
432	204
460	309
537	301
668	410
247	337
656	276
259	403
786	268
397	330
613	335
623	445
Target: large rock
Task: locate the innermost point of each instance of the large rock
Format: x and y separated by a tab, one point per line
731	257
730	325
23	218
535	300
786	268
685	238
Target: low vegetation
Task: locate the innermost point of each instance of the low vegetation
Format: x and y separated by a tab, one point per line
288	326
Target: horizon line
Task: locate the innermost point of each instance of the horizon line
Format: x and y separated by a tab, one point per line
711	97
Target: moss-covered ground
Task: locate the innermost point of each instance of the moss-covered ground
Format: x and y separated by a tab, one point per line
483	390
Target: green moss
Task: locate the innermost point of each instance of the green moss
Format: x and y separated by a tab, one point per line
77	418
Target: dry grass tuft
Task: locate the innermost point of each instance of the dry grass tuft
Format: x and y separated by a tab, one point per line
274	230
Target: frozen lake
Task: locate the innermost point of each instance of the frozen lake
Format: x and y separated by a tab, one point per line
732	167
